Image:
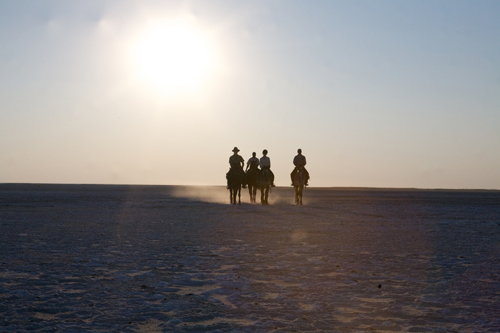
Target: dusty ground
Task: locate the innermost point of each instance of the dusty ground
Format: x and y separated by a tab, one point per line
151	259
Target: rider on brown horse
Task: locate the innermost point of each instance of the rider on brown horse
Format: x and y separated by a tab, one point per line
265	166
300	161
236	163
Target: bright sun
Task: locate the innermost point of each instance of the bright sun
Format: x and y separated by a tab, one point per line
174	57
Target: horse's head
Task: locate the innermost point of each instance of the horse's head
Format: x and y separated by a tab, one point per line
264	177
299	178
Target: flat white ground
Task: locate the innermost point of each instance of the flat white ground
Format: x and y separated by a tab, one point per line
162	258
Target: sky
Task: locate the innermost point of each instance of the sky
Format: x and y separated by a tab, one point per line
375	93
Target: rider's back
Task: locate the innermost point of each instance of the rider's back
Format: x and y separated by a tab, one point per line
253	165
299	160
235	161
265	162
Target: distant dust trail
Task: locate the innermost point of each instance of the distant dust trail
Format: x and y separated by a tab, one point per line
219	194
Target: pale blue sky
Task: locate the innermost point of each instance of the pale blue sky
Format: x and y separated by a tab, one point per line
376	93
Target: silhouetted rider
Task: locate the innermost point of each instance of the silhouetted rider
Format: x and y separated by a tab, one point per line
253	162
236	163
265	166
300	161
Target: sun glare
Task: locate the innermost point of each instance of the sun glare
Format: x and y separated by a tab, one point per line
174	57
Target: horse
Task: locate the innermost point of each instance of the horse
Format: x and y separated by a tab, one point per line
252	182
234	181
264	183
299	179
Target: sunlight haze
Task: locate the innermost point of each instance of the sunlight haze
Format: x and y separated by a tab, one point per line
376	93
173	57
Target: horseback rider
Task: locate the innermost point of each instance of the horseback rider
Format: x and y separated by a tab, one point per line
265	166
300	161
253	162
236	163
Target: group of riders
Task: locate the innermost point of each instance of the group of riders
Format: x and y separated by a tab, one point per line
236	163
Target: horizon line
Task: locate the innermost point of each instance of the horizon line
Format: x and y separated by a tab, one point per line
277	186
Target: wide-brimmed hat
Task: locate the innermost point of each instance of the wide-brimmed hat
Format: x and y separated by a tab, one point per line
236	149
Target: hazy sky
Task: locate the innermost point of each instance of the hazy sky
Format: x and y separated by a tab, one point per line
376	93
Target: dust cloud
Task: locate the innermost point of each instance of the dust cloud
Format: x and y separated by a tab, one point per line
219	194
215	194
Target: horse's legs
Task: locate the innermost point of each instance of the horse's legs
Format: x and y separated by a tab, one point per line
239	195
262	195
267	194
252	190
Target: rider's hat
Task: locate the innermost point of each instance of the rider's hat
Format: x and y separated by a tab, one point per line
236	149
